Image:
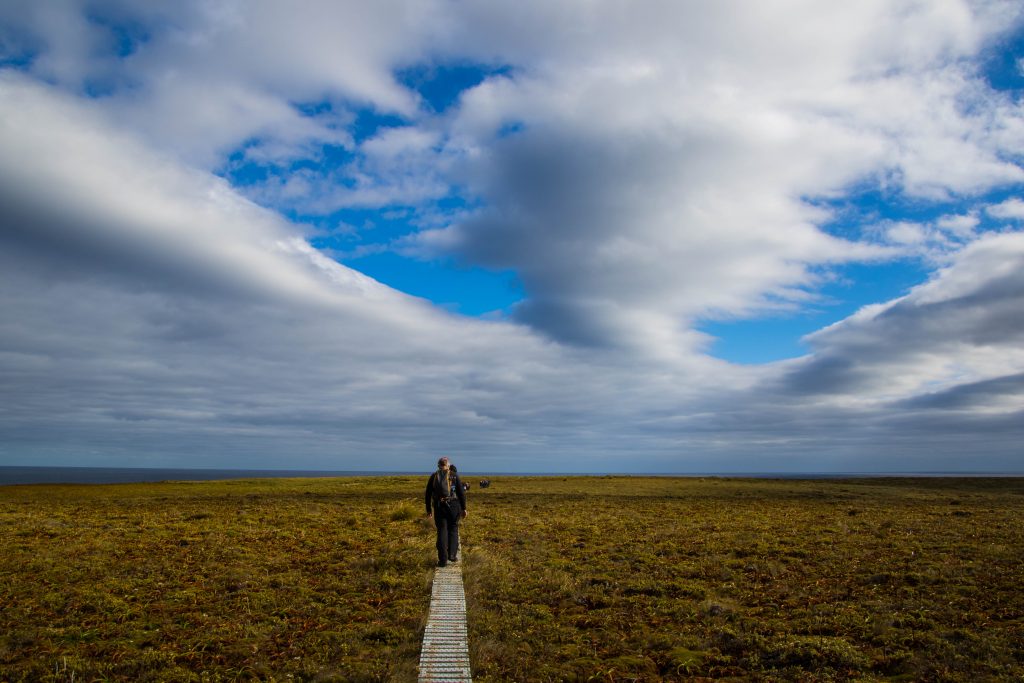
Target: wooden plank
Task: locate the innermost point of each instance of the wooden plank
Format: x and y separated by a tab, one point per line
444	655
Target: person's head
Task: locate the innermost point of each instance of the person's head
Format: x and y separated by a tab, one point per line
451	468
442	463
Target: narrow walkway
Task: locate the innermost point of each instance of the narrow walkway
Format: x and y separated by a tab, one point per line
445	652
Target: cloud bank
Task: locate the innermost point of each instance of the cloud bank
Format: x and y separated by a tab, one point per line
640	172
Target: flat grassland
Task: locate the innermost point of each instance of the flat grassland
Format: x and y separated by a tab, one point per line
268	579
681	579
599	578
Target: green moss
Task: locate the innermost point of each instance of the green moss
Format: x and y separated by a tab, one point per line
815	652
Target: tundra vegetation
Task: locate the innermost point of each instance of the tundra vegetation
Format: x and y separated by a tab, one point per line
578	578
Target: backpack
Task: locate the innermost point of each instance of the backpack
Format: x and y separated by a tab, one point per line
443	484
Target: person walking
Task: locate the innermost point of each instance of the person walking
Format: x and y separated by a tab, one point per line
446	503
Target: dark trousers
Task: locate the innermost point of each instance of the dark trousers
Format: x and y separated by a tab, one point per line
446	519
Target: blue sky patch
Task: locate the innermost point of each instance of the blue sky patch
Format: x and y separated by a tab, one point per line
369	122
440	85
778	336
1003	63
125	39
469	291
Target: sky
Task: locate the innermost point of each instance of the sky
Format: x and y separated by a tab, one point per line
574	236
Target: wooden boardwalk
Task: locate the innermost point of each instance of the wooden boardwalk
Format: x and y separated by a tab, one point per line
445	652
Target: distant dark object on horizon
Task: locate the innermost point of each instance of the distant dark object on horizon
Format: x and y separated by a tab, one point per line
484	483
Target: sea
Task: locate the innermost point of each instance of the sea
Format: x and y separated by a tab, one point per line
128	475
124	475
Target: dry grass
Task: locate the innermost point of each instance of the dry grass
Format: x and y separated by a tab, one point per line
608	579
250	580
618	579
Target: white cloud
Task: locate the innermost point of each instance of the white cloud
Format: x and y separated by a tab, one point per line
151	313
956	330
663	157
906	233
650	167
206	78
961	225
134	205
1012	209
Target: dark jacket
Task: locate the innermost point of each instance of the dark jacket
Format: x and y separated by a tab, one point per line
430	495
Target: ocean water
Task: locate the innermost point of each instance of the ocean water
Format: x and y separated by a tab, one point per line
124	475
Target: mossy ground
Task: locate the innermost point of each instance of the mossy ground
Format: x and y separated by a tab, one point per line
609	579
325	580
621	579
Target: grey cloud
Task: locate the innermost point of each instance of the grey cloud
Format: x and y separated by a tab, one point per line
963	326
596	226
662	148
111	347
569	322
972	395
824	375
150	315
37	225
642	178
634	185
